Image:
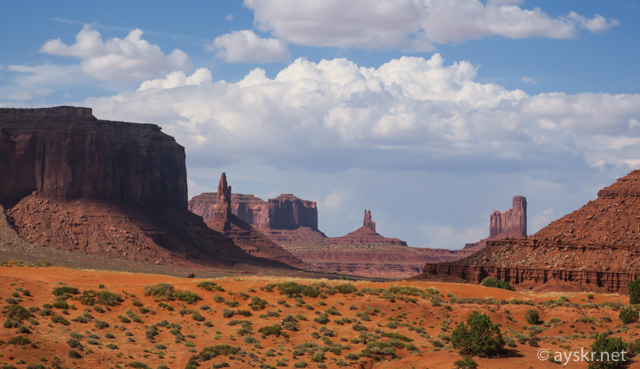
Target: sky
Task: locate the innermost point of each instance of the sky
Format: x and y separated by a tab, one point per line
431	113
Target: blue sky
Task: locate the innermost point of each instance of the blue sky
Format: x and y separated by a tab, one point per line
430	113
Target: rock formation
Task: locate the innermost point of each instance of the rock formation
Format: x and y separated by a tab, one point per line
510	224
284	212
66	153
365	235
595	247
363	252
114	189
242	233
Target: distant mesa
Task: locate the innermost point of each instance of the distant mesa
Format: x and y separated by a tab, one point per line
593	248
284	212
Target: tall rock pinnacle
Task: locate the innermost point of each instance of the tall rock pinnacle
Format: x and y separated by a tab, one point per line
367	223
223	203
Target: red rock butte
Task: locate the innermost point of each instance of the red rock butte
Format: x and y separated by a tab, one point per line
112	189
596	247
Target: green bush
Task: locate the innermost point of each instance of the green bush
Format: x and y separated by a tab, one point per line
628	315
269	330
346	288
496	283
19	341
465	363
634	292
293	289
161	291
210	286
532	316
604	350
257	303
17	312
61	291
481	338
188	297
74	354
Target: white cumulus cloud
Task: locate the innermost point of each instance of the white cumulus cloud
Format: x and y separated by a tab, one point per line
247	47
178	79
409	113
131	58
412	25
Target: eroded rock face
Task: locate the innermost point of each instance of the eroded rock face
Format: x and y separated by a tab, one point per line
593	247
66	153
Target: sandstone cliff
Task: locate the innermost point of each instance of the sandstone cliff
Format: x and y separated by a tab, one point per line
67	153
113	189
595	247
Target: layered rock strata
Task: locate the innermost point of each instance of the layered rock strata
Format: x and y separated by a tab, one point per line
594	247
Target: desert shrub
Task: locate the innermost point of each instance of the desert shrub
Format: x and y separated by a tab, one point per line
269	330
19	341
188	297
232	303
195	315
405	290
164	305
604	350
228	313
321	319
99	324
161	291
210	286
139	365
377	350
60	320
300	364
244	312
396	336
346	288
210	352
61	291
73	342
218	298
17	312
496	283
60	305
628	315
465	363
45	312
93	297
73	354
532	316
533	341
257	303
112	346
481	337
293	289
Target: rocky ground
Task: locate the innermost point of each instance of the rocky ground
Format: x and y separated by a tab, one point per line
114	321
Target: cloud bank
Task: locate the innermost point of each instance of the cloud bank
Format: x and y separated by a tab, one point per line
412	25
409	113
